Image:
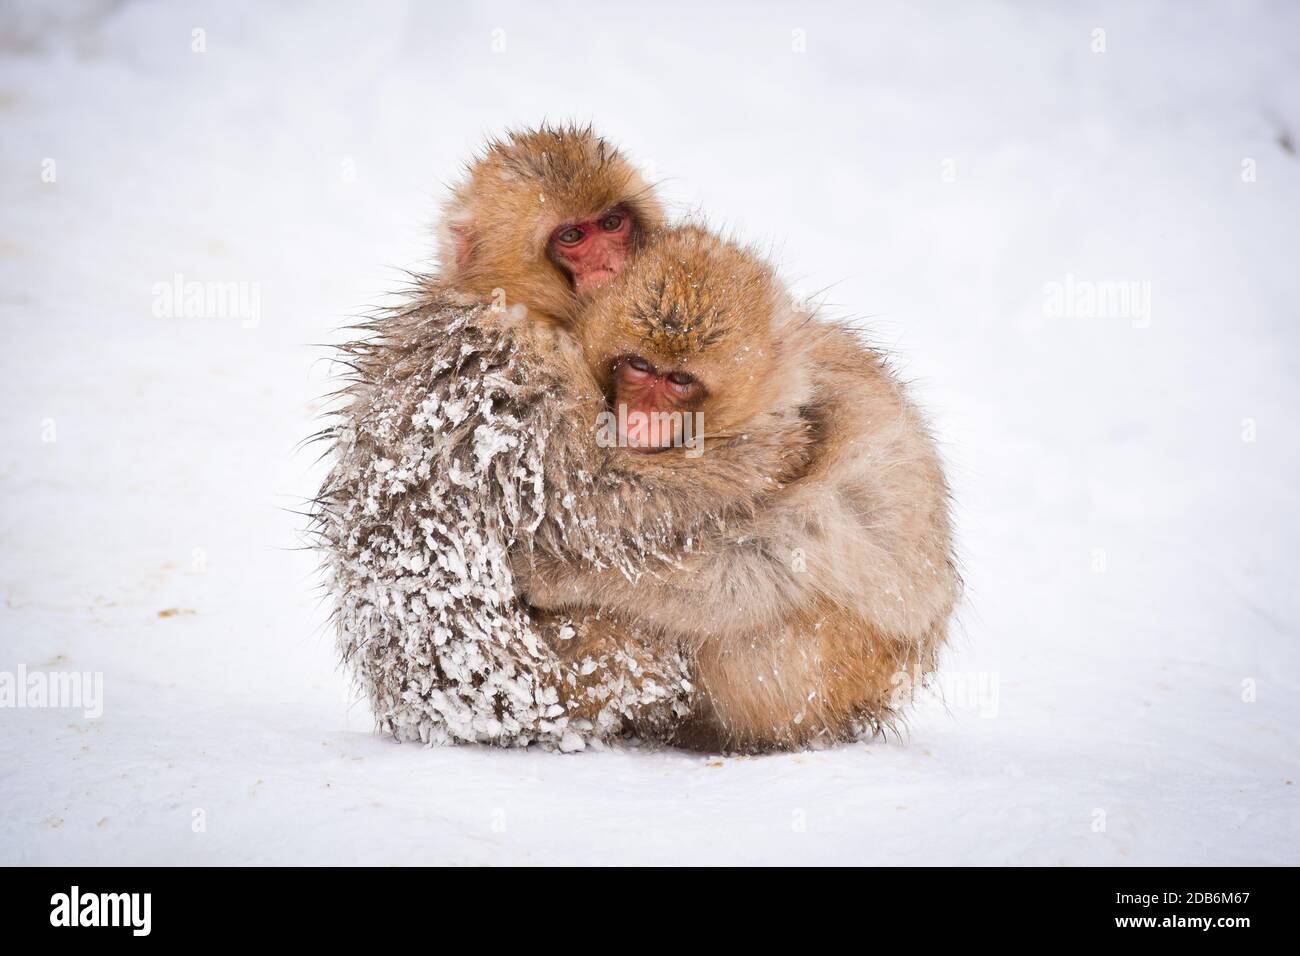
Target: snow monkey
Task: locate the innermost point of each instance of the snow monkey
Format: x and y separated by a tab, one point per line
439	464
798	616
462	440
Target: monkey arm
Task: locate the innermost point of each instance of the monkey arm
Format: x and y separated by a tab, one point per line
864	526
611	667
684	544
726	582
607	507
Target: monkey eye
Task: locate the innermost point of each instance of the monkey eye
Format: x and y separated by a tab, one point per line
682	383
570	236
612	223
633	370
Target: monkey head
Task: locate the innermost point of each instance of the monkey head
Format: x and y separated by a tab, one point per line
546	216
695	326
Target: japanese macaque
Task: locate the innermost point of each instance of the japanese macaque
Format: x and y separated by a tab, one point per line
439	468
801	615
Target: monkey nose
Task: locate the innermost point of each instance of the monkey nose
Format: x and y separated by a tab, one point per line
646	431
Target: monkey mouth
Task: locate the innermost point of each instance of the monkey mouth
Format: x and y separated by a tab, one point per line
593	278
644	444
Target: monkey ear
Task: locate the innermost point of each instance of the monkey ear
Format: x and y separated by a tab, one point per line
463	243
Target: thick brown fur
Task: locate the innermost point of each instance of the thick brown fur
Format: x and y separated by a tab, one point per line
797	614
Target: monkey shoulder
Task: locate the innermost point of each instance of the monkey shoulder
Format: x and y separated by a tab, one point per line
861	421
542	351
852	389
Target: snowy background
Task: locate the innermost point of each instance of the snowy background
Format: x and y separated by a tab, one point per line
1123	684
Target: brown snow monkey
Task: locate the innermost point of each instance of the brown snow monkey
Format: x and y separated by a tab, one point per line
798	615
441	463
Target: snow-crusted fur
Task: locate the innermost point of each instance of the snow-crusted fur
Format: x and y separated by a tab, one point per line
439	467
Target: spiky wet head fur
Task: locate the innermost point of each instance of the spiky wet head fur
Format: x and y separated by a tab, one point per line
696	303
516	194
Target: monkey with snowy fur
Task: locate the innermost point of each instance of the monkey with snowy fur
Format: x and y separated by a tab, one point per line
454	446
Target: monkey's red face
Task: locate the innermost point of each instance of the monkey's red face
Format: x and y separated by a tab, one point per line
593	251
650	403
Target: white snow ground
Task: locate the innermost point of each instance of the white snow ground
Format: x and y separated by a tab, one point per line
1123	689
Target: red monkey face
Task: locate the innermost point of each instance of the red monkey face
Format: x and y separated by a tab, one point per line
544	216
651	403
593	251
691	334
